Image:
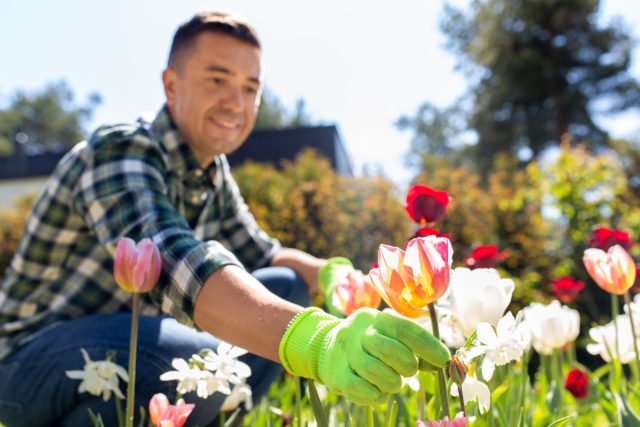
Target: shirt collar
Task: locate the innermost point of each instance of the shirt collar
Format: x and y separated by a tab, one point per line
181	158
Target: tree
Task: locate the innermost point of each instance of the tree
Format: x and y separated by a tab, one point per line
540	68
436	132
274	115
47	119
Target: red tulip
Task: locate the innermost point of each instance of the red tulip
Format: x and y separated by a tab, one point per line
566	289
410	280
636	283
426	231
603	238
426	205
614	270
163	414
137	268
485	257
577	382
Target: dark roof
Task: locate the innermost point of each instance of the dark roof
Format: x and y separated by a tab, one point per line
263	146
272	146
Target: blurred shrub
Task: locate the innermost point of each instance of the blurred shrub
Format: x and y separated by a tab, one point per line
12	222
307	205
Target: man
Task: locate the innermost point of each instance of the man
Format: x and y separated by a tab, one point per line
169	180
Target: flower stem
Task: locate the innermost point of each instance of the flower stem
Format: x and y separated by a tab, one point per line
298	404
627	300
421	401
464	412
133	346
442	381
614	318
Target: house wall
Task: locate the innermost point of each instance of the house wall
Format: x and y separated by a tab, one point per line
12	189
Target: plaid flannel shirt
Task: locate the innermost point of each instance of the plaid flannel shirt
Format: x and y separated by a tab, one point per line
126	180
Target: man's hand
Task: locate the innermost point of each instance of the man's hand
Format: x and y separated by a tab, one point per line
361	357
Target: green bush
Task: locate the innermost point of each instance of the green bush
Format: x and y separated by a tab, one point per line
308	206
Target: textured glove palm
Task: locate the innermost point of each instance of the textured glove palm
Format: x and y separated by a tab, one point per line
361	357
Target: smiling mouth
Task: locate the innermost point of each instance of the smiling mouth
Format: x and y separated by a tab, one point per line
226	124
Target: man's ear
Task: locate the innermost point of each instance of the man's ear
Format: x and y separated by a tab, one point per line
169	77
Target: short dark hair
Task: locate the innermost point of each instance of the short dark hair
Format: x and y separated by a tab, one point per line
218	22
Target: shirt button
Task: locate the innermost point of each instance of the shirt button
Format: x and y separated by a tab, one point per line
204	196
198	173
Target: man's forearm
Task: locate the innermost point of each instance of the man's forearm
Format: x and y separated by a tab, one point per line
304	264
238	309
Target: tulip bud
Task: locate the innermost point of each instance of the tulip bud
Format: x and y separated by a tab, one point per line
457	371
614	270
137	268
158	405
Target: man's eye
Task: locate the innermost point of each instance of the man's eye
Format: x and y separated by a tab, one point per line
217	80
251	90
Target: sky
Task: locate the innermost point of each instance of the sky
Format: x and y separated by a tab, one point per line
357	64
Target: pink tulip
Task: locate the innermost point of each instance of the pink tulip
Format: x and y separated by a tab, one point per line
614	270
353	292
458	421
137	268
165	415
412	279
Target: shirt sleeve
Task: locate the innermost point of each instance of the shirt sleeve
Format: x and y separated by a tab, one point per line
253	246
123	192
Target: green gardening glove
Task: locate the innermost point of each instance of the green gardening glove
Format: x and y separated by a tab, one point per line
329	276
361	357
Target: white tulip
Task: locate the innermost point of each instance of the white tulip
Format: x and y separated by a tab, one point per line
605	341
552	326
475	296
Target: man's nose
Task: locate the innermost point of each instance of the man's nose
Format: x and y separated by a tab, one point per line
234	100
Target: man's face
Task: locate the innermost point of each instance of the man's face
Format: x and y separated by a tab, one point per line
213	94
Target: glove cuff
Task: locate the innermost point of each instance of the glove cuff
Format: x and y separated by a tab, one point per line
325	273
302	341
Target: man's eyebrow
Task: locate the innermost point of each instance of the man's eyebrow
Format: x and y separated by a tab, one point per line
224	70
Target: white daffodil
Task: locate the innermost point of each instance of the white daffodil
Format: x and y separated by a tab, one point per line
225	363
502	345
605	341
240	393
552	326
192	378
635	311
475	296
99	377
474	390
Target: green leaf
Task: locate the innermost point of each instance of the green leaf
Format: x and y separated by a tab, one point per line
316	405
393	414
562	421
626	415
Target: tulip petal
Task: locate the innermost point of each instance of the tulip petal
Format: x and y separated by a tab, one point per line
125	260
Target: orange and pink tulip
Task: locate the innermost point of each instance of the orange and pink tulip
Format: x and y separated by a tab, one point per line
411	279
353	292
137	267
614	270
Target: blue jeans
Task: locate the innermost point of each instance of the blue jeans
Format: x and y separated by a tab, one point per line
34	390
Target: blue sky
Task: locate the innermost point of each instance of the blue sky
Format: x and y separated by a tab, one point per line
358	64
